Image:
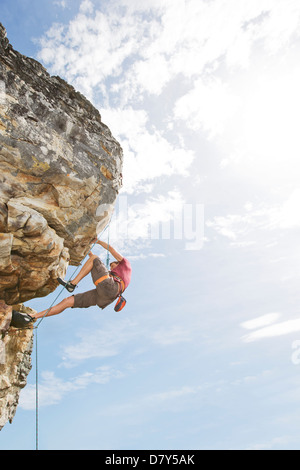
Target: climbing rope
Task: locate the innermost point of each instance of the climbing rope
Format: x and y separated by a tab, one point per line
36	394
36	336
107	254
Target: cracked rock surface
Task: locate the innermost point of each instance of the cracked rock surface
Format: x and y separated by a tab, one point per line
58	164
60	174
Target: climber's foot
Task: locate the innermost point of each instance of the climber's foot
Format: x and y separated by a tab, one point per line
21	320
68	285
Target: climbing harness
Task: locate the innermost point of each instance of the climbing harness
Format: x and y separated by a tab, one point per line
101	279
120	281
121	302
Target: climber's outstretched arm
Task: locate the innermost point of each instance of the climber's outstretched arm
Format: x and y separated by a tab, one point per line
112	251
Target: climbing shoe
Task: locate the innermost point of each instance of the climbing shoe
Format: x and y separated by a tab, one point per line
68	285
20	320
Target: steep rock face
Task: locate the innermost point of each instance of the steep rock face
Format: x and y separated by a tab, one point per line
15	362
60	173
58	163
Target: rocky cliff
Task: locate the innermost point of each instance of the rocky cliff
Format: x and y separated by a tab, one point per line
59	164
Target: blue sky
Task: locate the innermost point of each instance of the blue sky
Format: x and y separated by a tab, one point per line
203	97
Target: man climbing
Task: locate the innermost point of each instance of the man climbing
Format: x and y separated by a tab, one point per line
108	285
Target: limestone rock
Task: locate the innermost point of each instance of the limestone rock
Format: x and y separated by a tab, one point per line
15	361
58	164
60	174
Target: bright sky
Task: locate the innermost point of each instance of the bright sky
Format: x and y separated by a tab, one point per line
204	98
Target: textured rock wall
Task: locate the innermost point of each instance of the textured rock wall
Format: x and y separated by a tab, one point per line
15	362
58	164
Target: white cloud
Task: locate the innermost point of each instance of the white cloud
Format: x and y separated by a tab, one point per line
208	106
53	389
161	39
265	127
143	256
260	321
148	155
173	399
247	227
220	60
267	326
156	218
60	3
172	335
281	24
120	54
170	395
287	215
87	6
145	73
238	227
278	329
145	219
101	342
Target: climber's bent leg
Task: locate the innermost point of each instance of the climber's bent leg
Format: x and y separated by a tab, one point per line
85	270
66	303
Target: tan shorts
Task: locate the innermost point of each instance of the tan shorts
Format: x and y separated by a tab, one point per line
103	294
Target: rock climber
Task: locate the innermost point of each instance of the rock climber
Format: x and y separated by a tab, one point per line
108	286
